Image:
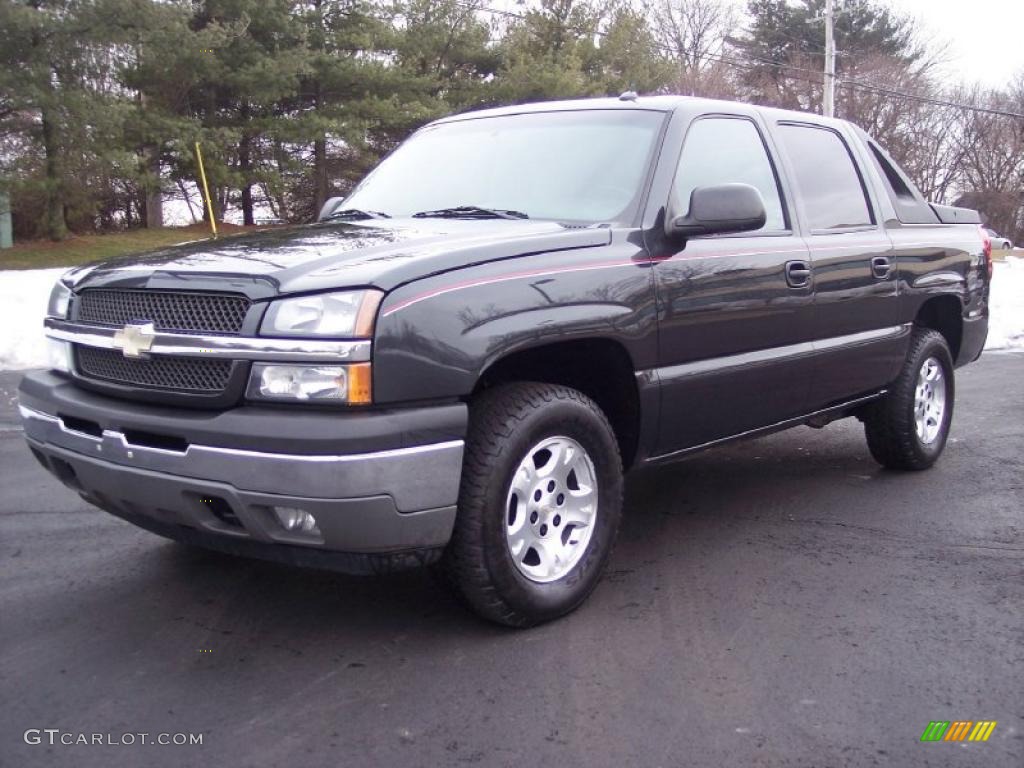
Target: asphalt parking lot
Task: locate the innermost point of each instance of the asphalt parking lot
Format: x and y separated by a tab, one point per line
778	602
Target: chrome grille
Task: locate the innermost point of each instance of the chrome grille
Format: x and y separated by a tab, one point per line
177	374
167	310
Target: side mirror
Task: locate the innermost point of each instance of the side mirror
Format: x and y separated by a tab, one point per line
719	210
329	206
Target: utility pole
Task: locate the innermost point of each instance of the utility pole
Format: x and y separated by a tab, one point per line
829	99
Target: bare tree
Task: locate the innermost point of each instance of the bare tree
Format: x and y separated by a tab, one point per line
992	163
932	153
693	33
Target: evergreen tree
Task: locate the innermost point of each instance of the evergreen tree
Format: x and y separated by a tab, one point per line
59	97
785	46
628	58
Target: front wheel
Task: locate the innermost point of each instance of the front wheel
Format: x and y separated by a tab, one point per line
539	506
907	429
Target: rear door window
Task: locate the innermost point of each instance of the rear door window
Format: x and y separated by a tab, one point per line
827	179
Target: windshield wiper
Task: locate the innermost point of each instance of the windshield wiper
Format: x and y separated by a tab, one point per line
356	214
470	212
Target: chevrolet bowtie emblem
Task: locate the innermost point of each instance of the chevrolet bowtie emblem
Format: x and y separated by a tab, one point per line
135	339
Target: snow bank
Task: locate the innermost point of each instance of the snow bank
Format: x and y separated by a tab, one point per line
23	297
24	293
1006	323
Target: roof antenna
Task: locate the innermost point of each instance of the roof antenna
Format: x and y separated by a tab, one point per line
628	96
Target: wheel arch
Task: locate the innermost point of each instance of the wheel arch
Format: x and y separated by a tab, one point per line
601	368
943	314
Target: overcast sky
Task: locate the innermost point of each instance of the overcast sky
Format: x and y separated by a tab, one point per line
986	37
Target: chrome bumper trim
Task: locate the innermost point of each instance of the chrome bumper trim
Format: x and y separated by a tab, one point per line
230	347
417	478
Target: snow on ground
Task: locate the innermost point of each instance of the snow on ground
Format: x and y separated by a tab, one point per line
24	293
1006	303
23	298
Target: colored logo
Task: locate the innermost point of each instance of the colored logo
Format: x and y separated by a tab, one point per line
958	730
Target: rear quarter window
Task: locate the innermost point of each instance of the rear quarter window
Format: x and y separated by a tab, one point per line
910	205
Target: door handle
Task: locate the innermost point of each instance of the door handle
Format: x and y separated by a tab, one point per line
798	273
881	267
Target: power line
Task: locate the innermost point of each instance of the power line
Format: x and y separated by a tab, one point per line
929	100
808	73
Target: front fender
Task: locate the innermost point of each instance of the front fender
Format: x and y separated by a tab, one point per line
436	336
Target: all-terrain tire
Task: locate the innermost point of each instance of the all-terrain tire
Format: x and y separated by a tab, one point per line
891	424
506	422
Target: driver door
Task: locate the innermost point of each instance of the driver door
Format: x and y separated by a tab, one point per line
735	311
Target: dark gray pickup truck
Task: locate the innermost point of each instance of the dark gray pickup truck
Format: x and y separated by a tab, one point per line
458	362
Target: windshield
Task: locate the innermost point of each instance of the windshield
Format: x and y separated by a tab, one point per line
582	165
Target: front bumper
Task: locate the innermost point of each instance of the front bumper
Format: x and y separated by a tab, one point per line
169	471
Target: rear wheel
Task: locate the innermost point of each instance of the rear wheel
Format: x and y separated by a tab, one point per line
908	428
539	506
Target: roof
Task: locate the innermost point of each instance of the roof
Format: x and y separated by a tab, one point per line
663	103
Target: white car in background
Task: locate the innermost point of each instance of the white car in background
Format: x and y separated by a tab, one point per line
998	241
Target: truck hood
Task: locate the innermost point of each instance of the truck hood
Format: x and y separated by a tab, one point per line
382	253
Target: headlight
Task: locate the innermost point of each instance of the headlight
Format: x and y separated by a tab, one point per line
60	297
348	384
347	314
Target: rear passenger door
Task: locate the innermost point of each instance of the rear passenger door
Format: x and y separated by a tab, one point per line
731	318
856	334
